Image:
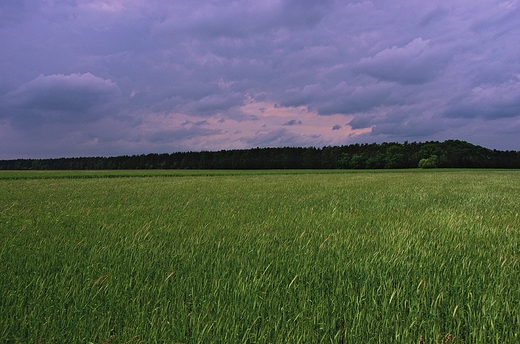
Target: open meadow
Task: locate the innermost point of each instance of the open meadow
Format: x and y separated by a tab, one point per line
260	256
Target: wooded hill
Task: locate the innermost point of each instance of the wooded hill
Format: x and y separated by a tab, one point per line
447	154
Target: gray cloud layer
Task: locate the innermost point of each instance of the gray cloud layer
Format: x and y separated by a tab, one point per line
73	98
121	77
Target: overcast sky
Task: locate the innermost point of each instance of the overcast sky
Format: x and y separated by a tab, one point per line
114	77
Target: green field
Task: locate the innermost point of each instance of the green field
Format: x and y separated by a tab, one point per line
260	257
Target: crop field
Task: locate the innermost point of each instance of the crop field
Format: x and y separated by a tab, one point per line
408	256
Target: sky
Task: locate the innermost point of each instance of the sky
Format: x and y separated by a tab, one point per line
124	77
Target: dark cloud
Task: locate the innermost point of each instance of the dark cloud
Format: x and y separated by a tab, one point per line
487	101
60	98
293	122
336	127
361	122
346	99
214	103
240	19
415	63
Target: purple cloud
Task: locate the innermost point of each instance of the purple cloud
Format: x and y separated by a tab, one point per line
436	14
60	98
415	63
99	74
293	122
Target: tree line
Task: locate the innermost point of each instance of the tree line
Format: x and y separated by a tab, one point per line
447	154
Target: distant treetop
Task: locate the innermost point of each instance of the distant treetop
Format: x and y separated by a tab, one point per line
387	155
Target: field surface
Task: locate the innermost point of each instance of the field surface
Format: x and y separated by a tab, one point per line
260	257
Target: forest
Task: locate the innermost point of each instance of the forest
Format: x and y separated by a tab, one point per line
431	154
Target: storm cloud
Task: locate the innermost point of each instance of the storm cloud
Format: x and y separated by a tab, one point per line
99	77
74	98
